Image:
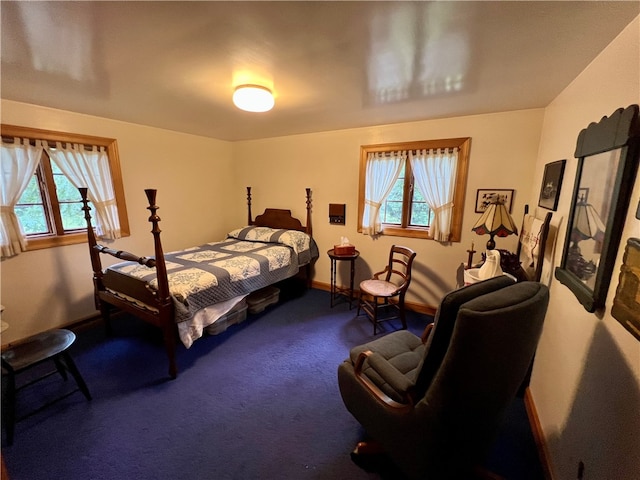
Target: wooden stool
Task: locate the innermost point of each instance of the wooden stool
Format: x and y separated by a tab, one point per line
51	345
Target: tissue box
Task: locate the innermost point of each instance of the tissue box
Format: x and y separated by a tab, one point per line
344	249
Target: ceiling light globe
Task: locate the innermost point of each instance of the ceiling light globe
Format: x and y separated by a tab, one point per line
253	98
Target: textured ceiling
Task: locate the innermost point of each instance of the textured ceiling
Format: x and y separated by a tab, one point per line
332	65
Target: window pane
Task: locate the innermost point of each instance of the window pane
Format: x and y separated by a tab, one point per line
65	190
391	210
32	193
30	210
32	219
72	216
420	212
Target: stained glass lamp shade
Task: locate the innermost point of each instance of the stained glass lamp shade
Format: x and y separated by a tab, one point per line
495	221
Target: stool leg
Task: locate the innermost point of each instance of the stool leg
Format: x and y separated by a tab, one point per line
75	373
9	405
61	368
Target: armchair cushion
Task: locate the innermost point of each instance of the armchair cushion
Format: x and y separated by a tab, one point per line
403	350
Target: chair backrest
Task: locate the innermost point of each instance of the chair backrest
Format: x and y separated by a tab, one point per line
438	341
398	270
493	342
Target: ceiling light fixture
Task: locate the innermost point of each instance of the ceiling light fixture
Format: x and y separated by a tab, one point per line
253	98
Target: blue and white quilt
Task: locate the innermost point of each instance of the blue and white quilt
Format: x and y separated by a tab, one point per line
248	259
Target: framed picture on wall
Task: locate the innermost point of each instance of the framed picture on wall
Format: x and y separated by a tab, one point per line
484	197
626	306
551	184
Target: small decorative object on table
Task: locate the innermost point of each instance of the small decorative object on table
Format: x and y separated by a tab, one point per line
345	248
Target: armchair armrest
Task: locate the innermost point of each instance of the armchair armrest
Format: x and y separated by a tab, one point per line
426	332
390	375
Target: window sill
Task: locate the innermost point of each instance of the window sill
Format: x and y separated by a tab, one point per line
406	232
59	241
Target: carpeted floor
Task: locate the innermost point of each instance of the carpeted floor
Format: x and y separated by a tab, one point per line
259	401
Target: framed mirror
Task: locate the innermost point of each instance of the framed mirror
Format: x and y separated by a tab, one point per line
608	153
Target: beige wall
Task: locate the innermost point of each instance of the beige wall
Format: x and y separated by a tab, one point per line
586	379
504	147
48	288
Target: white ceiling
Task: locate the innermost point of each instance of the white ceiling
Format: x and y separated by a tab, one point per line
331	65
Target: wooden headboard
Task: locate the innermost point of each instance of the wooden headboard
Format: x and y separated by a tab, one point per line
280	218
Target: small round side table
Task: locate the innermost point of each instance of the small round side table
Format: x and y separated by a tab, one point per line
336	291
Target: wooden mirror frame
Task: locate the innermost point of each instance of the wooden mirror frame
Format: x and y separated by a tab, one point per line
620	131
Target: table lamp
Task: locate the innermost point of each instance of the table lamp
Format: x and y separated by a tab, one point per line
495	221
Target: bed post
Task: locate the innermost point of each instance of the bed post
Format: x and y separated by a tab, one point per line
166	308
309	230
91	237
96	264
249	216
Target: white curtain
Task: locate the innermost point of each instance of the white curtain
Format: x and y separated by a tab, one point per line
19	163
89	167
383	169
434	172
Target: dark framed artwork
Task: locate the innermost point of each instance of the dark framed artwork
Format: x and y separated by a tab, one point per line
551	184
484	197
608	153
626	304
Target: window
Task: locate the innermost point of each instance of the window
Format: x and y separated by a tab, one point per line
49	209
403	186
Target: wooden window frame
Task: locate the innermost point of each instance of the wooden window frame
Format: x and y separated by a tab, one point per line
37	242
464	146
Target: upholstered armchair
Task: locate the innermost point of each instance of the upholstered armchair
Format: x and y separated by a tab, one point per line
435	404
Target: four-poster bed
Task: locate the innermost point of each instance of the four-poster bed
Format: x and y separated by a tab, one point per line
186	291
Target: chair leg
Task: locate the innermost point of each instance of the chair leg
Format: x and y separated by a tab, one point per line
403	318
375	315
359	304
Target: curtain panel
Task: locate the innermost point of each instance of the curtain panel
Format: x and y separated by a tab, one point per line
434	172
89	167
19	162
382	170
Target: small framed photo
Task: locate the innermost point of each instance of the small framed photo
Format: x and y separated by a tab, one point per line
551	184
484	197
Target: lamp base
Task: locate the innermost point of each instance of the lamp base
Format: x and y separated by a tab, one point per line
491	244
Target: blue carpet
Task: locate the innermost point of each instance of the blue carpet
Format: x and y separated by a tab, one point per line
259	401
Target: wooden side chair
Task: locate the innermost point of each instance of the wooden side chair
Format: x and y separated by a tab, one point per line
382	297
